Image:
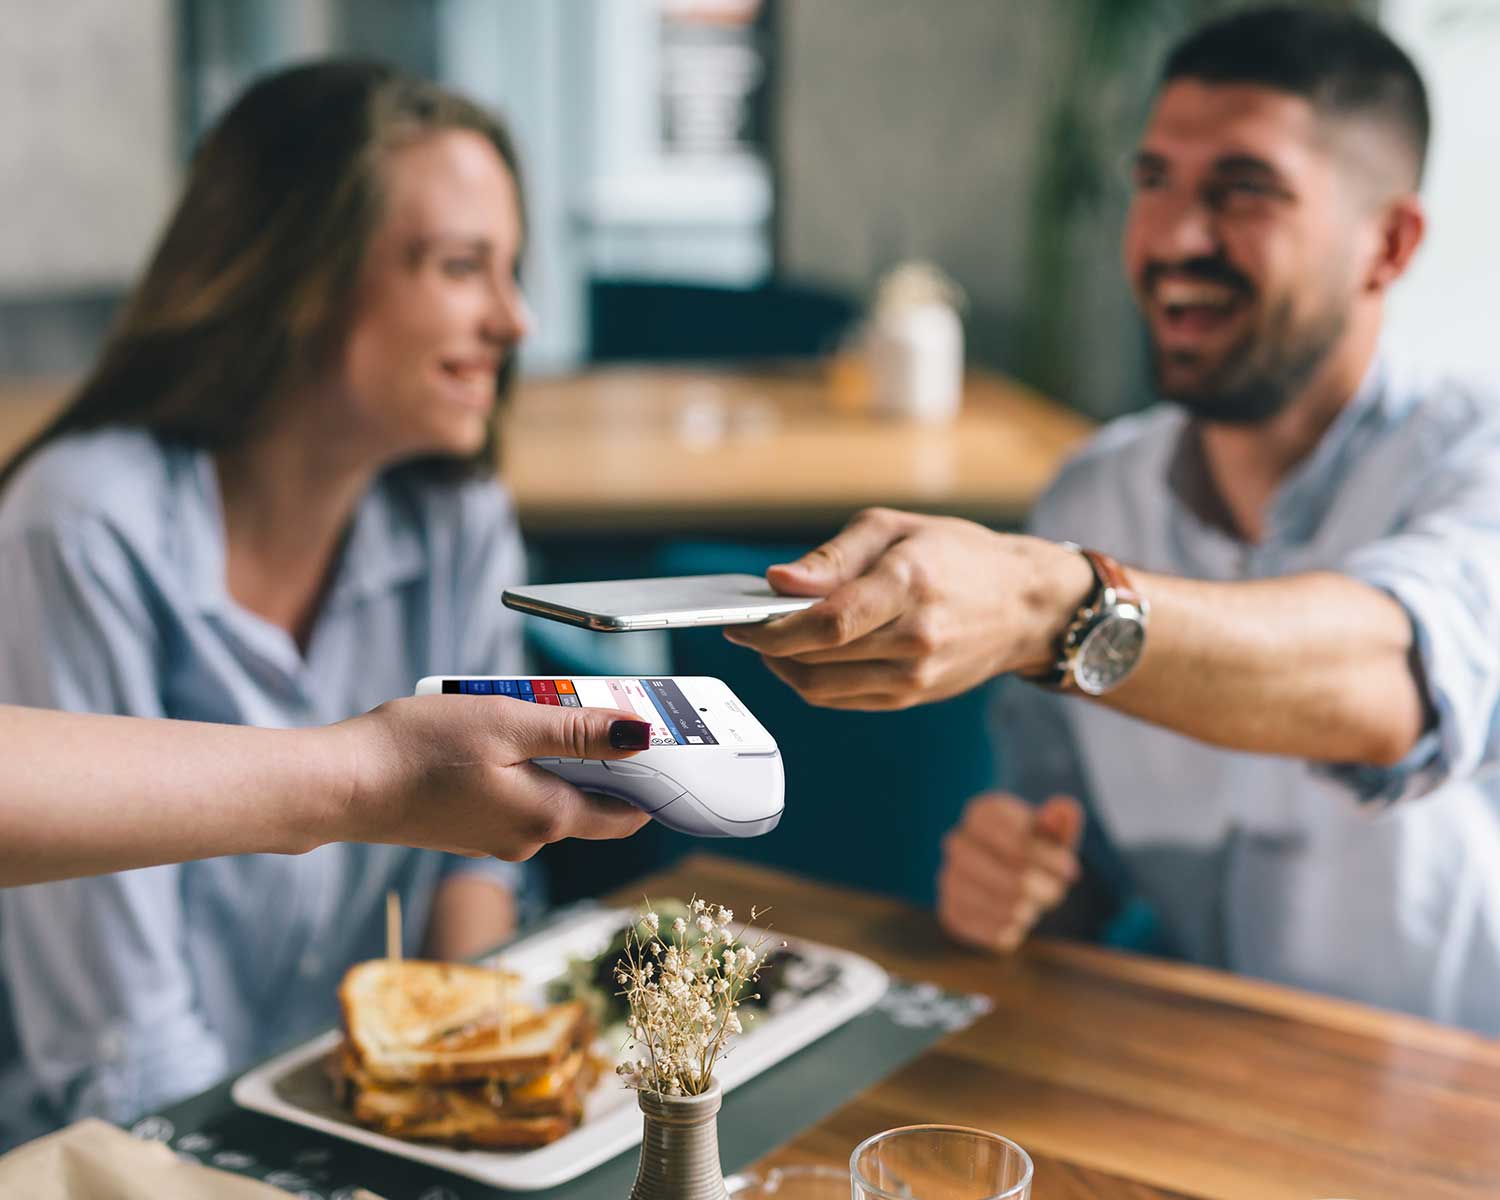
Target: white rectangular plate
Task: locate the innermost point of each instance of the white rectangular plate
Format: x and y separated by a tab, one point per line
293	1087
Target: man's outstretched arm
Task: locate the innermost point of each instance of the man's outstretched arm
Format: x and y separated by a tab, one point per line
1316	666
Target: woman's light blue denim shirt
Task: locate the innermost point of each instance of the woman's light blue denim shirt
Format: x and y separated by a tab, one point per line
129	991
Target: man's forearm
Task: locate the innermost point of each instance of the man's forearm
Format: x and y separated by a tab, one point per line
81	794
915	609
1314	666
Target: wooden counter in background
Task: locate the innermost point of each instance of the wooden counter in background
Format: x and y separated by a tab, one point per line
655	451
24	405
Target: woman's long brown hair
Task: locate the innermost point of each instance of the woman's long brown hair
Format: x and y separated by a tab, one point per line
248	292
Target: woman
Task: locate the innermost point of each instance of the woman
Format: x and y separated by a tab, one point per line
271	504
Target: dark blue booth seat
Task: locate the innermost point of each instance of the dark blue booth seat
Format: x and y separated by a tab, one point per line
655	321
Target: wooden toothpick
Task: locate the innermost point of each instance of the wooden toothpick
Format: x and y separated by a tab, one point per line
393	926
502	993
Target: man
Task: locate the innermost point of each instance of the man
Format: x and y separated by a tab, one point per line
1283	711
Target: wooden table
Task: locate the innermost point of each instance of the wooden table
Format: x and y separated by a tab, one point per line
654	450
1133	1079
660	450
24	405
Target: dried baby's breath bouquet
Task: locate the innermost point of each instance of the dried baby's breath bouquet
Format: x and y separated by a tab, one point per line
684	985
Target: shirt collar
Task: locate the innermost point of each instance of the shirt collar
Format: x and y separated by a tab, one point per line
1303	496
385	546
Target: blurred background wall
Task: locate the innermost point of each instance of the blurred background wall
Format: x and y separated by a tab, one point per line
902	134
988	141
88	164
720	142
1442	309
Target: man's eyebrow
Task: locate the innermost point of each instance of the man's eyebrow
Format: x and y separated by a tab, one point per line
1245	164
1148	158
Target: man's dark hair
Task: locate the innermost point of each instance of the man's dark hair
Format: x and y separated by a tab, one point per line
1341	63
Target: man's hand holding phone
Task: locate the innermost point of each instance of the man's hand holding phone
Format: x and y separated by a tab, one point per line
917	608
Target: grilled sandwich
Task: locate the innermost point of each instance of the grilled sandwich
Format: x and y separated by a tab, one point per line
430	1054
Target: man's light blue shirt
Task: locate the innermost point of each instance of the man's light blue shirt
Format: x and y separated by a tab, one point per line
132	990
1378	885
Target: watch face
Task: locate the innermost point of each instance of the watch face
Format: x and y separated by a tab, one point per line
1109	653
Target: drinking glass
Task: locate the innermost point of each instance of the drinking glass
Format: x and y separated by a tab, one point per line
939	1162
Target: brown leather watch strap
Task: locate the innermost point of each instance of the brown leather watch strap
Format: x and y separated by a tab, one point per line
1112	575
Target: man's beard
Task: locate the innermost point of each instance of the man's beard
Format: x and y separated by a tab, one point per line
1261	373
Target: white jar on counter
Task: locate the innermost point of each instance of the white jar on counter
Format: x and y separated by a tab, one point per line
914	344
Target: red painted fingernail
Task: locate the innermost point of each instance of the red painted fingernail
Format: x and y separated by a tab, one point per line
630	735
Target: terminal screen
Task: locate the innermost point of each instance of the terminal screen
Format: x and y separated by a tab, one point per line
673	719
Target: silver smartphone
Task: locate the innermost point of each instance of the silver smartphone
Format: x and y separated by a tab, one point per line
621	605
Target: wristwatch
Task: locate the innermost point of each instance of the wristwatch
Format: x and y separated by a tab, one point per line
1106	637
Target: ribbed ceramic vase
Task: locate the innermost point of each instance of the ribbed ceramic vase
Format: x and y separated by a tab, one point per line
680	1148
